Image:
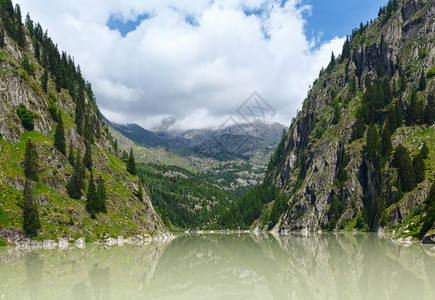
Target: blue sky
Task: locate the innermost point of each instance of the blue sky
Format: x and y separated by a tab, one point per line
198	60
327	19
339	17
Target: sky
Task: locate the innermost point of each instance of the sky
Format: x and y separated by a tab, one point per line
196	63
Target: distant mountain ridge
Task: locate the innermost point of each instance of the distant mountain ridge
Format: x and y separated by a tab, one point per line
236	141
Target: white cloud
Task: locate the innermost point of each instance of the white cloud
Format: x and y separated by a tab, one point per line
199	74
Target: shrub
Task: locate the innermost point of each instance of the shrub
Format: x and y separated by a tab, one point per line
26	117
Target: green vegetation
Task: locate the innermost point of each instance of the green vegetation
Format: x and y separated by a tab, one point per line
429	209
26	116
76	182
184	198
131	164
31	222
244	211
59	135
96	197
31	162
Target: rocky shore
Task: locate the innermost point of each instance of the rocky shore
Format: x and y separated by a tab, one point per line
17	239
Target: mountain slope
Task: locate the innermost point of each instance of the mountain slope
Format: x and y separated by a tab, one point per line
246	141
336	165
44	83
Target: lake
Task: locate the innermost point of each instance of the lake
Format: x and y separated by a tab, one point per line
328	266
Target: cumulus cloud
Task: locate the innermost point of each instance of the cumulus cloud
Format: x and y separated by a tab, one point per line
196	61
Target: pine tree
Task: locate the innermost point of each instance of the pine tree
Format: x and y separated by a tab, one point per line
87	159
140	192
92	198
429	111
332	62
44	81
398	115
131	164
422	83
386	146
71	158
424	152
80	110
76	182
346	49
419	168
358	129
429	209
337	114
403	83
372	142
31	162
20	36
2	37
31	222
412	110
88	135
59	135
402	161
102	196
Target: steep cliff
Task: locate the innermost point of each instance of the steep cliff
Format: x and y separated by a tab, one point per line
46	85
336	163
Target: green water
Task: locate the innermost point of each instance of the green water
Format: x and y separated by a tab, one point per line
225	267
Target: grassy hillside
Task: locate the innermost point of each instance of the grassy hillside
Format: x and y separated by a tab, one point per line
35	76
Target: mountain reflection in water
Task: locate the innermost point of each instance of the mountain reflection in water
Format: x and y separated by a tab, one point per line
328	266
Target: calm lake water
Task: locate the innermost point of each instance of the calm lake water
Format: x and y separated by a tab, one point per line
225	267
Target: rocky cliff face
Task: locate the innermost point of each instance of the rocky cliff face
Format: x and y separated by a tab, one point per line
21	76
318	148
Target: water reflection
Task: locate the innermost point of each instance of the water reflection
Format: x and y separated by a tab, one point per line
225	267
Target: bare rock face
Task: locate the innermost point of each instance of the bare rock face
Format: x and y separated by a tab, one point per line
315	147
428	238
60	215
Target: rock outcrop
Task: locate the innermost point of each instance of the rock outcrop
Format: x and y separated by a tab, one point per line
21	76
319	149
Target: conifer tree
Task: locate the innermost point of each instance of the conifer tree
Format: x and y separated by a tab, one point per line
87	159
332	62
59	135
2	37
71	158
76	182
31	162
20	36
124	156
31	222
412	110
346	49
102	196
372	142
337	114
424	152
429	209
88	135
92	198
44	81
403	83
429	111
386	146
395	117
402	161
131	164
80	110
422	83
358	129
140	192
419	168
